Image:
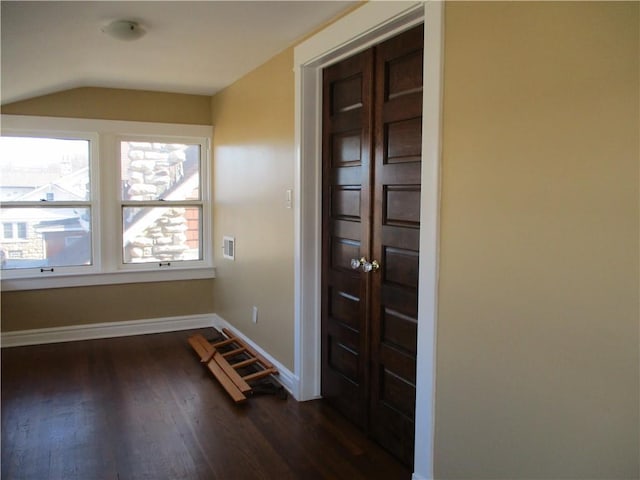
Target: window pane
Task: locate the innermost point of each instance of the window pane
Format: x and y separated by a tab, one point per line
53	237
35	169
22	230
154	171
161	234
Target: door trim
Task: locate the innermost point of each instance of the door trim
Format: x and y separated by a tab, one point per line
372	23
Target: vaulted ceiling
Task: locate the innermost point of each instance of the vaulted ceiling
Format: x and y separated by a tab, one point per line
189	47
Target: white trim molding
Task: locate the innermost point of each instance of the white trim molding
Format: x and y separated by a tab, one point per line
107	278
429	236
107	265
285	377
104	330
368	25
415	476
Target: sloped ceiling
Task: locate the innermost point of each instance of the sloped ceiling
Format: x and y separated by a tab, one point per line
189	47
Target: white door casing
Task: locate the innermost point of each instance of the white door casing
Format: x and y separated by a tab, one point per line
370	24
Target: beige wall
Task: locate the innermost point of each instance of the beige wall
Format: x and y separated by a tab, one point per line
538	357
538	344
68	306
24	310
253	168
116	104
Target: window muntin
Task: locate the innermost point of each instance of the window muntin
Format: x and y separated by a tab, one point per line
45	190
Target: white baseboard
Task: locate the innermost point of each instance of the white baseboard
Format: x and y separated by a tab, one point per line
415	476
141	327
285	377
104	330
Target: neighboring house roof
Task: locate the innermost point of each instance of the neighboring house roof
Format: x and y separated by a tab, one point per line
74	224
10	193
37	215
59	193
71	187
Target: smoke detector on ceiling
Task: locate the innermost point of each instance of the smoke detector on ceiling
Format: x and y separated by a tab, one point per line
124	30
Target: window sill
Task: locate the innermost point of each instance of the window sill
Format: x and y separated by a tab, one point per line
114	278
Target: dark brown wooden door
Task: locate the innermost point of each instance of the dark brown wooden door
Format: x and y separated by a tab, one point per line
372	124
348	129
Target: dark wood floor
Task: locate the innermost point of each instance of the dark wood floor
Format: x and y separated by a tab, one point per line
144	408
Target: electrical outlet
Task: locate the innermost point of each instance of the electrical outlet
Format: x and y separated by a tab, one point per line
254	315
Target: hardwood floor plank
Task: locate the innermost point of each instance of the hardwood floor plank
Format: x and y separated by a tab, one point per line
144	407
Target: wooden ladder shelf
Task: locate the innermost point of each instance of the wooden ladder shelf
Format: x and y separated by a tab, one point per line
225	363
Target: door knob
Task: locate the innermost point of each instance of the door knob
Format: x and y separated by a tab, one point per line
370	266
356	262
367	266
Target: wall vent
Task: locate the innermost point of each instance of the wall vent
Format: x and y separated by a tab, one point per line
229	247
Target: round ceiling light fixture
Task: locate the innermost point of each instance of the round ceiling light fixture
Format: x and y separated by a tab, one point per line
124	30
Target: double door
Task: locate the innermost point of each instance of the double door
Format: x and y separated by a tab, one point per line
372	142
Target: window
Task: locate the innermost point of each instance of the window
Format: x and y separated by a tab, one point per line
14	231
161	201
109	200
34	224
22	230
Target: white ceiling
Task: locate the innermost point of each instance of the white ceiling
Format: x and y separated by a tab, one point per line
190	47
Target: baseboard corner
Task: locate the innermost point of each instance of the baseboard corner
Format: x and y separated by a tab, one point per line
285	377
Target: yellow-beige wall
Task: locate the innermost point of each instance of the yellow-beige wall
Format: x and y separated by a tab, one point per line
117	104
538	345
538	328
58	307
253	155
33	309
538	357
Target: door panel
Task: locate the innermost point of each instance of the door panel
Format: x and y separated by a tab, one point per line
372	142
345	202
399	329
347	128
401	267
346	149
401	202
404	141
396	227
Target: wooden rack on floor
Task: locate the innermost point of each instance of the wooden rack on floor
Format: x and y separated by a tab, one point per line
219	363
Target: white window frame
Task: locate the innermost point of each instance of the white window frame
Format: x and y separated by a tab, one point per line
108	263
92	203
204	201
